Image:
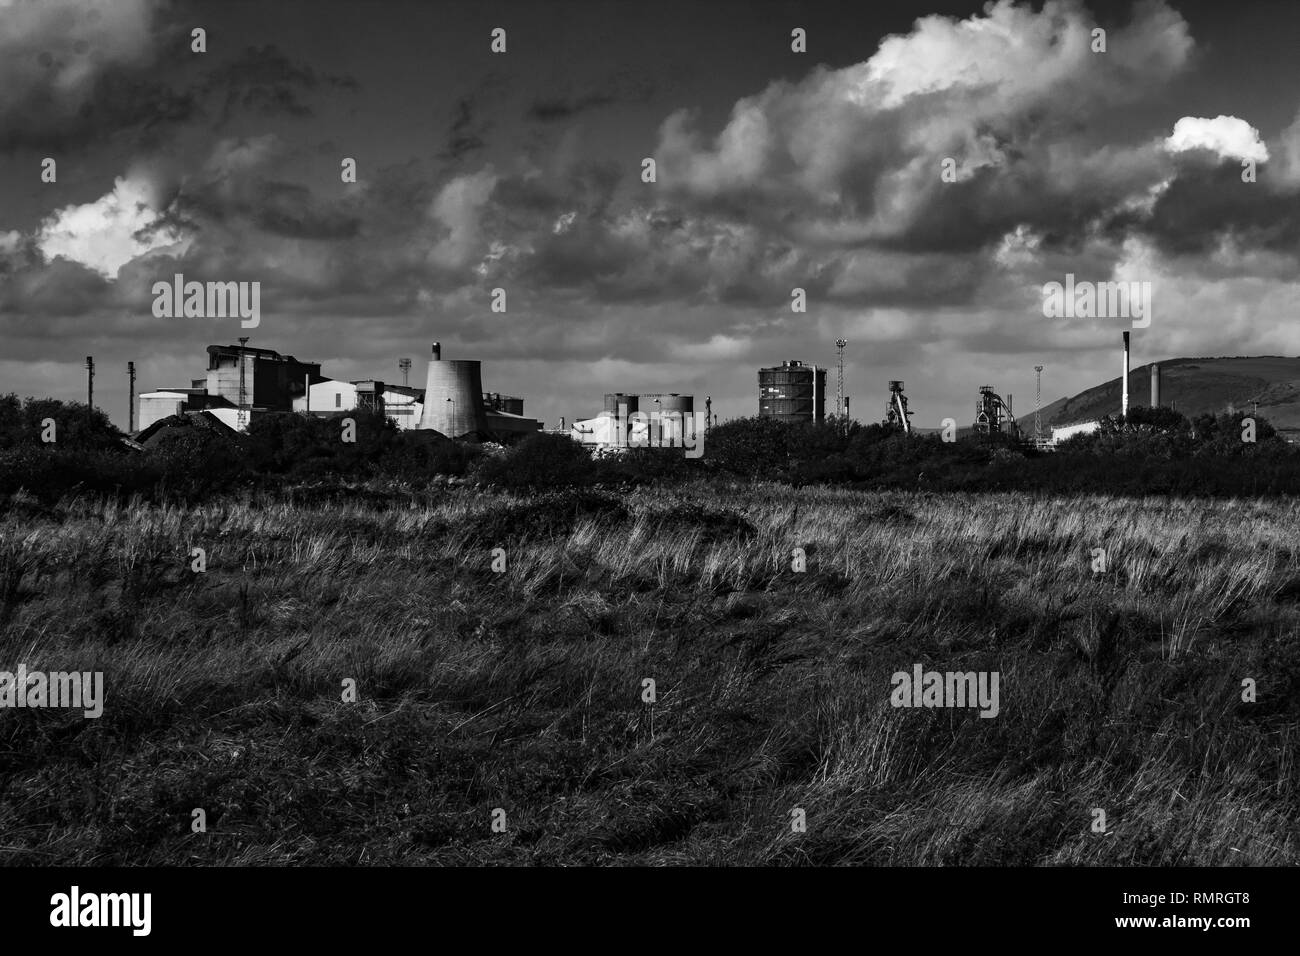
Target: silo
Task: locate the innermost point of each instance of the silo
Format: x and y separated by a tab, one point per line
453	396
792	392
668	403
614	399
676	414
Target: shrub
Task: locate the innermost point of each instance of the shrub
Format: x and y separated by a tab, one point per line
539	461
76	425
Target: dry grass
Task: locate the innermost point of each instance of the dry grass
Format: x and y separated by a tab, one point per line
522	690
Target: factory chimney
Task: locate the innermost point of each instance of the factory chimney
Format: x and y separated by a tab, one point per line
437	351
1155	385
1123	402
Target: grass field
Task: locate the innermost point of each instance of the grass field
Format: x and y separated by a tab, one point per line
523	690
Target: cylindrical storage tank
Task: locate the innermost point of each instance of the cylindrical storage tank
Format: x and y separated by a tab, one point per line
668	403
676	418
155	406
615	399
792	392
453	398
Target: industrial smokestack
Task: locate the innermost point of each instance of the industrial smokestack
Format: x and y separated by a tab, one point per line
437	351
1123	403
1155	385
130	403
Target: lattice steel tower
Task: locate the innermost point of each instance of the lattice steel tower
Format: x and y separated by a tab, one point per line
1038	402
243	394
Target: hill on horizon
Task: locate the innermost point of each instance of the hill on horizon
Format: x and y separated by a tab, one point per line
1195	386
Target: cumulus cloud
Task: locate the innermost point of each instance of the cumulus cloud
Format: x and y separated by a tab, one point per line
1226	136
458	207
853	155
106	234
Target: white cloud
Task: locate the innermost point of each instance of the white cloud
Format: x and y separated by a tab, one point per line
106	234
856	152
458	207
1228	136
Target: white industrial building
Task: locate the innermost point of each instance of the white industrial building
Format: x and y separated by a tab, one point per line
263	380
1061	432
399	402
658	420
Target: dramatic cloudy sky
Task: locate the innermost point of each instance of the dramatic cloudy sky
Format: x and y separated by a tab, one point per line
522	171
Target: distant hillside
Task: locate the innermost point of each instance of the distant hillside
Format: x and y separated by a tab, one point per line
1194	386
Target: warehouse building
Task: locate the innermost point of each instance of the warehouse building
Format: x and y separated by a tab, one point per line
401	403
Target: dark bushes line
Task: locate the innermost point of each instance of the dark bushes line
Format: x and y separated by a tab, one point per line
1152	452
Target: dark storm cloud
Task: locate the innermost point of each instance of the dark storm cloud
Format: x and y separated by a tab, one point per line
554	110
468	129
621	87
60	288
288	209
75	73
128	107
465	134
1208	201
263	81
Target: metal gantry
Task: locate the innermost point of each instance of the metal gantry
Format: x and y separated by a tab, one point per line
1038	403
243	403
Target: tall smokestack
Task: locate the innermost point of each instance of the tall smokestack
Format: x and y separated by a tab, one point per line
1124	381
1155	385
437	351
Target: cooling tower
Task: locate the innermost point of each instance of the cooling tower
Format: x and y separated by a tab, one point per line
1155	385
453	397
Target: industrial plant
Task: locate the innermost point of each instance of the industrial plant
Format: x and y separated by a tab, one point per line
641	420
244	382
